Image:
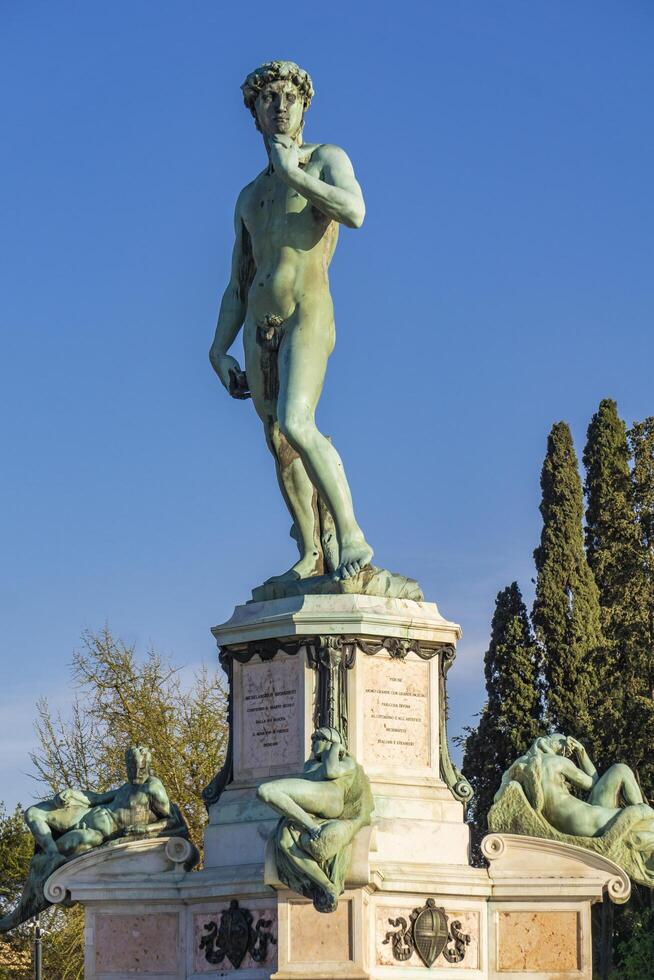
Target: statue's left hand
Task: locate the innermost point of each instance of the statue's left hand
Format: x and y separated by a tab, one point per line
136	830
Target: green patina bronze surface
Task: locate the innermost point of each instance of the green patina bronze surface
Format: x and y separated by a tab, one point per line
535	799
321	813
286	229
75	821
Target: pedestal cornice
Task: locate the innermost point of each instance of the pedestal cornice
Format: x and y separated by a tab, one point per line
366	616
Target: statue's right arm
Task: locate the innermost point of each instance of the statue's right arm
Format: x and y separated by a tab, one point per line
334	764
95	799
70	797
576	776
233	306
583	759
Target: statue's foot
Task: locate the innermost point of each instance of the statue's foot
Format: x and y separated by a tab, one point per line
308	566
354	556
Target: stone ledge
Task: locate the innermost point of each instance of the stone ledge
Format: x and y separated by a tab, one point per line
440	879
126	862
350	614
559	869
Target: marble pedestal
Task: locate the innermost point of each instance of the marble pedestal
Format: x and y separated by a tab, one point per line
375	669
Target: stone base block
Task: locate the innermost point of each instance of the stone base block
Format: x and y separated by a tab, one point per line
413	907
527	916
311	944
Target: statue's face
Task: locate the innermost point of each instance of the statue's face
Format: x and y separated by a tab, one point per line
319	745
138	764
279	109
559	744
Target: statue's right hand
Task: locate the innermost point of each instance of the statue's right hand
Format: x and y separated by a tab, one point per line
68	797
229	371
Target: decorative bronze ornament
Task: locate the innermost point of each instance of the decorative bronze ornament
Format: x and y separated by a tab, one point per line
429	934
235	937
331	656
398	648
212	793
453	777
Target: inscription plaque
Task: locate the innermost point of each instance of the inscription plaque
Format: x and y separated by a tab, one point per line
270	714
396	709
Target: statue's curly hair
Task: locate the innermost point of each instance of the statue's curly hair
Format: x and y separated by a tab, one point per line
276	71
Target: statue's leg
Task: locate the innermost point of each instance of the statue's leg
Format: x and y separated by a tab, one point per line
78	841
302	800
334	836
37	823
616	783
303	356
301	499
297	489
307	869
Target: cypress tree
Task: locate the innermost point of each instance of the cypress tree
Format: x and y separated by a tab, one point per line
614	555
512	716
641	707
566	611
612	538
641	440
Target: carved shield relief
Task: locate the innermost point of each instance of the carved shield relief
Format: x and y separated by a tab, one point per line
430	933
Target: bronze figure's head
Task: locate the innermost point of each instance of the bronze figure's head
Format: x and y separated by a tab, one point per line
278	94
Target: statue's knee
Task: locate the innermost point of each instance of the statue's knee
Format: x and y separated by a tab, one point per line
265	792
621	770
297	428
70	842
33	815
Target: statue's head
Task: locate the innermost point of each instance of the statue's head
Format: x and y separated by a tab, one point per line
138	759
278	94
555	744
323	739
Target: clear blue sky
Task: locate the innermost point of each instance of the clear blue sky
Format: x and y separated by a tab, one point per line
502	281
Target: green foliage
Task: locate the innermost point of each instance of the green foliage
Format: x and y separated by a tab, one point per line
16	848
612	539
118	700
63	943
594	621
512	717
635	953
614	554
641	441
63	940
566	611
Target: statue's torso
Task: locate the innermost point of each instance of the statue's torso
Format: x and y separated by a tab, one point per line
131	805
292	245
564	811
